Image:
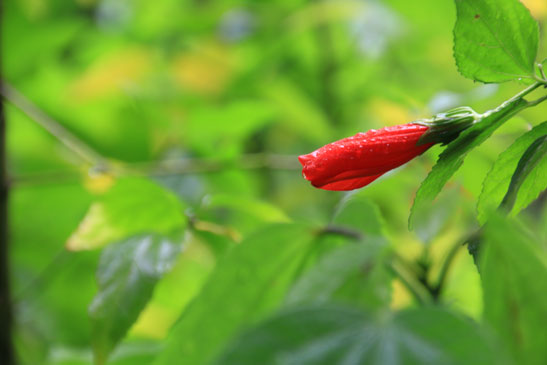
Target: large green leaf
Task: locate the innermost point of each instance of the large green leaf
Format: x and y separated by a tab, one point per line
514	276
497	181
452	157
43	275
532	164
249	282
126	276
495	40
132	206
431	219
351	273
337	335
357	212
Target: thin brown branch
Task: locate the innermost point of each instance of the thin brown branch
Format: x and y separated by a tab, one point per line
171	167
341	231
6	350
55	128
205	165
6	322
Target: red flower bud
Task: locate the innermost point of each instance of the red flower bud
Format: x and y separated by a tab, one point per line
354	162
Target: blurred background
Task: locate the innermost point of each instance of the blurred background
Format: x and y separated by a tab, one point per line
213	100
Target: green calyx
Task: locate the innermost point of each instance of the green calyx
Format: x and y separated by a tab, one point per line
445	127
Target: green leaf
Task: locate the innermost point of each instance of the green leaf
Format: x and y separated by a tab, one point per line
337	335
126	276
356	211
220	131
453	156
355	271
528	167
128	353
514	277
351	273
249	282
495	40
132	206
260	210
497	181
430	221
41	217
244	215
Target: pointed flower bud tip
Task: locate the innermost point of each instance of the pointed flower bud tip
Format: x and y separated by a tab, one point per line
356	161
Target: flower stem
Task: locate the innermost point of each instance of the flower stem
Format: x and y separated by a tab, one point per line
537	101
57	130
510	103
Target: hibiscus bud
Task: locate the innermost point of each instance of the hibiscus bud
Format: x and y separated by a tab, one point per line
354	162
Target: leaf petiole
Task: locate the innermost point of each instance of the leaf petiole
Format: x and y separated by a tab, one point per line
542	71
537	101
509	103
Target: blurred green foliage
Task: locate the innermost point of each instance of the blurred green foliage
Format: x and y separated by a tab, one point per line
195	111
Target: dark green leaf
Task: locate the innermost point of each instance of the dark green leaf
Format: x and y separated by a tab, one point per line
338	335
126	276
249	282
528	180
353	272
514	276
452	157
130	207
495	40
41	218
497	181
531	161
